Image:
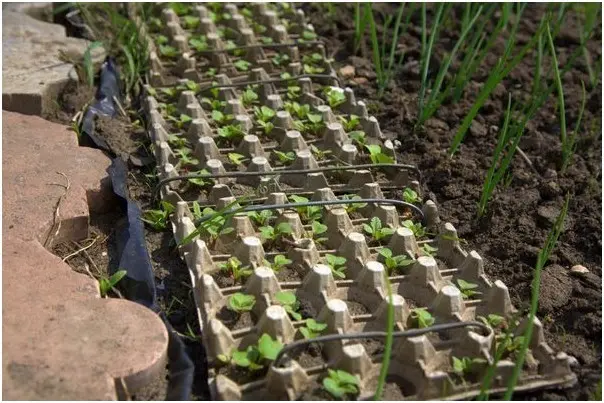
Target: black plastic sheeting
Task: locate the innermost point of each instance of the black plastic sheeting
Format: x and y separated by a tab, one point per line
138	285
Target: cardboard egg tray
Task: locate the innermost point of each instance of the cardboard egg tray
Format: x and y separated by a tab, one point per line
325	164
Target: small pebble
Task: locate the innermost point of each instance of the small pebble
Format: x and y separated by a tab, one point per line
347	71
104	254
579	269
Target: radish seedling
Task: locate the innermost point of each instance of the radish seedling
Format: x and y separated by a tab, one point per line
199	43
274	234
376	230
394	263
418	230
281	59
318	153
285	158
335	96
410	196
307	213
290	303
214	104
466	365
201	182
231	133
317	229
249	97
236	270
467	288
256	356
349	124
262	217
341	383
352	207
168	51
237	159
428	250
184	155
158	219
377	156
280	262
181	120
220	118
190	22
240	302
177	141
420	318
312	329
242	65
359	138
336	264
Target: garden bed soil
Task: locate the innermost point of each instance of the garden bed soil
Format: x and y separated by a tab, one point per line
510	236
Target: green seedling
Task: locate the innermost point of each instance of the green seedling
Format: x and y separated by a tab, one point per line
177	141
318	153
467	289
394	263
290	303
377	156
376	230
335	97
162	39
255	357
359	138
199	43
317	229
249	97
494	321
307	213
384	62
242	65
170	92
231	133
411	196
352	207
349	124
293	92
285	158
184	155
201	182
87	63
168	51
418	230
214	104
264	113
180	8
214	227
240	302
295	109
466	365
281	59
158	219
274	234
309	35
312	329
336	264
262	217
181	120
190	22
428	250
420	318
235	268
107	283
237	159
280	262
220	118
340	383
315	123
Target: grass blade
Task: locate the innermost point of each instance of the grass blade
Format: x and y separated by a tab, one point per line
387	345
558	81
542	259
427	51
88	65
568	149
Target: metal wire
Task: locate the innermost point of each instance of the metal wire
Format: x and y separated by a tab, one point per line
282	172
271	81
376	334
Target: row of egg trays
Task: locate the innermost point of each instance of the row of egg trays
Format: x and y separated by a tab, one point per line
425	285
186	65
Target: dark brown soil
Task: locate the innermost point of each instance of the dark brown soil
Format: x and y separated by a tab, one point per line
235	320
288	274
520	215
122	138
74	97
356	308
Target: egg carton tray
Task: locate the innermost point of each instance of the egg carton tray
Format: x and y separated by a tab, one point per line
201	167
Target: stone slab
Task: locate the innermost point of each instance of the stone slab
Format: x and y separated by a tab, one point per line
32	72
34	151
40	11
61	341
